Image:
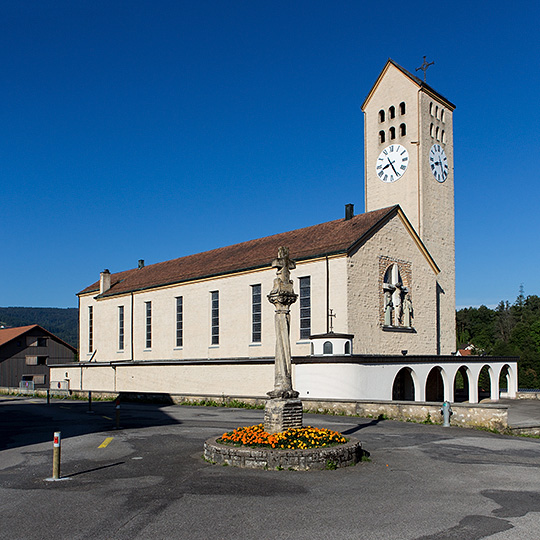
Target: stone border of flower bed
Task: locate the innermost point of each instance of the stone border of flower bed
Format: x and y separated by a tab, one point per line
332	457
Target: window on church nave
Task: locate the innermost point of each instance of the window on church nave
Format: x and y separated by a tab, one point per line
402	130
120	328
215	317
148	324
305	307
392	131
179	321
382	136
256	305
381	116
90	329
392	112
402	108
328	348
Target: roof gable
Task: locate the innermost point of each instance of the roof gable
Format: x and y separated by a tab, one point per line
413	78
9	334
330	238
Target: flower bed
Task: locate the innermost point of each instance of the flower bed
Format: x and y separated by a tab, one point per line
292	439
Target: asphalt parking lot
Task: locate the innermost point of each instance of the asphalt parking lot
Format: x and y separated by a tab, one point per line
148	479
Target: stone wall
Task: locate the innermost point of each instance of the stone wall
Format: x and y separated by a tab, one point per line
484	415
491	416
527	395
272	458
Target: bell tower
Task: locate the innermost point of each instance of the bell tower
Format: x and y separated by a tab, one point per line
409	160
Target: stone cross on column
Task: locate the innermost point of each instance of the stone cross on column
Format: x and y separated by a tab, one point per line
282	296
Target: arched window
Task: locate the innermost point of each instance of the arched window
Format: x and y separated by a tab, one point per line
431	109
402	108
437	133
431	130
442	115
443	138
436	111
392	112
328	348
402	130
392	132
347	347
381	116
312	349
382	136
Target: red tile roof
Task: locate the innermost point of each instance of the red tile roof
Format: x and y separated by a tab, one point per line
329	238
8	334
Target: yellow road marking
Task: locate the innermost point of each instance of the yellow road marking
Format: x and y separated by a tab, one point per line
107	418
105	442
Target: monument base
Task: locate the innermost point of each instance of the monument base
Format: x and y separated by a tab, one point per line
282	414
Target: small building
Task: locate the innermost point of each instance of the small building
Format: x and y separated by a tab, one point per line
26	352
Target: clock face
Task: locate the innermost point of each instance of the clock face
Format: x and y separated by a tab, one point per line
392	163
438	163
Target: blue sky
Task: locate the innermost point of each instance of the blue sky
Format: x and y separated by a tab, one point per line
156	129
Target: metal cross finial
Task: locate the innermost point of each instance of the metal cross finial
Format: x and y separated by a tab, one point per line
331	315
424	67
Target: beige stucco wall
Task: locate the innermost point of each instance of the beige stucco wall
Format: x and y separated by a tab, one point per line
235	305
393	89
209	379
394	241
427	203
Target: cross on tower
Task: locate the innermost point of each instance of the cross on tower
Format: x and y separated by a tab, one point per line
424	67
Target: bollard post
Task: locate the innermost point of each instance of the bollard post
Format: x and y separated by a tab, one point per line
48	396
56	455
90	403
117	414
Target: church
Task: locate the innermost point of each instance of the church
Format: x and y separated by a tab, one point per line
375	316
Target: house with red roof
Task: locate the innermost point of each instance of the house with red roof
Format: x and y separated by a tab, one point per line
26	352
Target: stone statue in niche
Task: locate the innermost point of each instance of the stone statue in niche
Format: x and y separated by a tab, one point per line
388	304
401	300
407	311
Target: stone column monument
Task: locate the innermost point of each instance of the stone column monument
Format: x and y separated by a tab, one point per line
283	410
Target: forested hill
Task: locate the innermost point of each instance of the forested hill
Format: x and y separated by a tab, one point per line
507	330
63	323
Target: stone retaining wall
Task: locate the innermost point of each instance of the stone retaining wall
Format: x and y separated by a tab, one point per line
486	415
528	395
272	458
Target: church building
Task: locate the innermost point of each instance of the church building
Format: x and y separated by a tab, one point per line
375	316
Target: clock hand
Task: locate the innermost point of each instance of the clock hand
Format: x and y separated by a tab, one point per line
386	167
393	168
